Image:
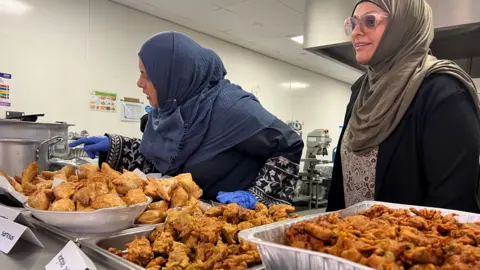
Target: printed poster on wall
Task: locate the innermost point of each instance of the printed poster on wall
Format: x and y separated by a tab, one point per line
103	101
5	85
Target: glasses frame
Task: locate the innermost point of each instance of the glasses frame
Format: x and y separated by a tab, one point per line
360	22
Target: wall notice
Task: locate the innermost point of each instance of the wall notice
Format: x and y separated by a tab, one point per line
103	101
5	84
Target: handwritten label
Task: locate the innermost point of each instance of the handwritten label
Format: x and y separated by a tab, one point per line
11	232
70	258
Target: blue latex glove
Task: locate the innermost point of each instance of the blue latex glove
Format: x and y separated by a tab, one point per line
243	198
93	145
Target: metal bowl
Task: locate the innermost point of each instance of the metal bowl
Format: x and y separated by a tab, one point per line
105	220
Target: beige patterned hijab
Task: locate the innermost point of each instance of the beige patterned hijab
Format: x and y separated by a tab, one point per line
398	67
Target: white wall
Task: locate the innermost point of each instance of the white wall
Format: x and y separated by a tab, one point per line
59	50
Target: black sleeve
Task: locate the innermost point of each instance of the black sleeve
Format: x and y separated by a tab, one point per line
281	147
451	144
125	153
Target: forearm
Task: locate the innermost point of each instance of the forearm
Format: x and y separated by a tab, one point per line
125	154
276	182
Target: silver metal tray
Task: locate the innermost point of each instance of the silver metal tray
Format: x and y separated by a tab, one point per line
63	235
276	254
97	247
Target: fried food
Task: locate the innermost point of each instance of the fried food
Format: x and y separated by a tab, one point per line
107	201
139	251
64	190
87	170
187	183
160	205
189	239
82	208
178	257
88	190
179	197
385	238
40	199
13	183
127	181
135	196
109	173
47	174
62	205
68	171
166	187
156	264
152	217
27	177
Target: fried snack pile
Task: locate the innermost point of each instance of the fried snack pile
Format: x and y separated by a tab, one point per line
178	191
385	238
190	239
87	189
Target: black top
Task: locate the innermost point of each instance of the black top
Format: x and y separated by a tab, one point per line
246	166
143	122
432	157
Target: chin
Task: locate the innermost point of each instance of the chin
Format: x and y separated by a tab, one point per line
362	60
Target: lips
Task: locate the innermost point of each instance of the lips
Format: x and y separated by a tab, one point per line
359	45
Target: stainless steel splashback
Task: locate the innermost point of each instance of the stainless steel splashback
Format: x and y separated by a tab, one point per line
457	31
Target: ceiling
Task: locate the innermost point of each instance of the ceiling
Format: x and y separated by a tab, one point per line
263	26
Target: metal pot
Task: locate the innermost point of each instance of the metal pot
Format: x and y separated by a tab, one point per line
17	154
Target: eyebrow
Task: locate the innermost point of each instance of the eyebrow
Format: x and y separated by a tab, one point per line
368	13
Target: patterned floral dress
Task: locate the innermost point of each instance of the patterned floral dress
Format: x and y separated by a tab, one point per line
358	174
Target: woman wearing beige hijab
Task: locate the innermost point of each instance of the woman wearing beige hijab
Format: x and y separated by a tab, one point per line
412	131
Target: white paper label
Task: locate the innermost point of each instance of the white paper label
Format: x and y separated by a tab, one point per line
8	213
70	258
14	215
10	232
6	185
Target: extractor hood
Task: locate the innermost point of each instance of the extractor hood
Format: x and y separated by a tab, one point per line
457	31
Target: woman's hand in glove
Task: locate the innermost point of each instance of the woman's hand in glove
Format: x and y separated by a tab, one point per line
243	198
93	145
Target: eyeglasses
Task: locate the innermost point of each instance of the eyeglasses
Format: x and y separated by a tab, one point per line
367	23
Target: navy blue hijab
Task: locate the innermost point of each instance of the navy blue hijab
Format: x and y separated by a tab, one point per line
200	114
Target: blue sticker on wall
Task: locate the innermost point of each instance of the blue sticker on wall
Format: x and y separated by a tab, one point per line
148	108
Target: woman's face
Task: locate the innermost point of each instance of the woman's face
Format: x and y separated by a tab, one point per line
147	85
371	22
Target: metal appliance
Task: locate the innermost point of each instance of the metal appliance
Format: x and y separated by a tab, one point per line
24	142
457	32
296	126
314	185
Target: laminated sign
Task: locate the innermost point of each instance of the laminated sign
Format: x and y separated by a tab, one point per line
5	85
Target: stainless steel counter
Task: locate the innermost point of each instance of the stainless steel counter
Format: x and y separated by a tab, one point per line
25	255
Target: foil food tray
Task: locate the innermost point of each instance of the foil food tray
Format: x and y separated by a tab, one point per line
276	254
97	247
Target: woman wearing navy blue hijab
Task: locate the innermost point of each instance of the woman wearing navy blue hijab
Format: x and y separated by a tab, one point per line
204	125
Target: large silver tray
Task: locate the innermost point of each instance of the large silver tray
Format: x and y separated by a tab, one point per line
63	235
97	247
276	254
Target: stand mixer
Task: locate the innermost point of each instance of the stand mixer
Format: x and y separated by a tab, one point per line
312	182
